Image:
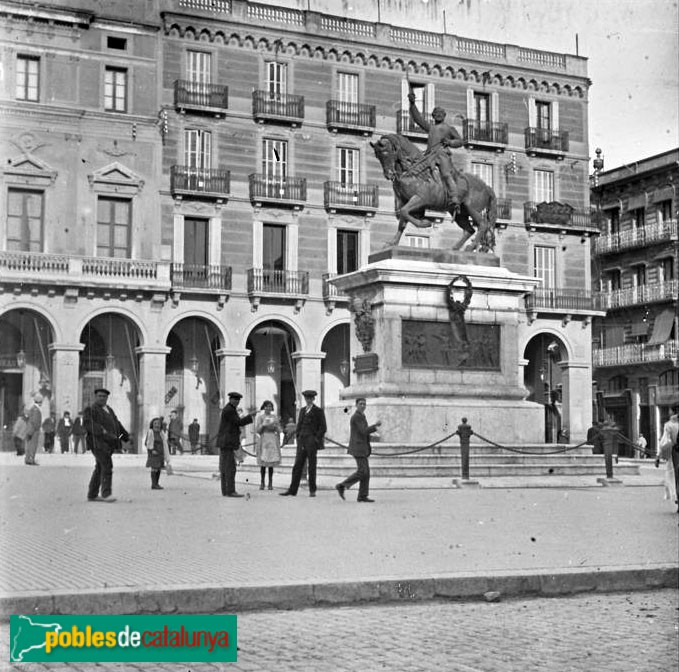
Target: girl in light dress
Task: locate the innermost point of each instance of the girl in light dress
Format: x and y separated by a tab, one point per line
158	452
268	432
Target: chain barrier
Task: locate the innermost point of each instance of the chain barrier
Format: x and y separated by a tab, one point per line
406	452
633	445
530	452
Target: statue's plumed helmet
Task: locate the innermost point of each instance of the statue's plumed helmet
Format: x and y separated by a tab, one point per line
438	109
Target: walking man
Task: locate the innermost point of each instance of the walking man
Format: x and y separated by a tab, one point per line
104	436
33	425
228	441
310	432
174	434
194	436
359	447
79	433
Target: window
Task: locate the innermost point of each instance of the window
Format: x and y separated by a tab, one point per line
484	171
544	266
196	236
420	91
347	166
667	269
543	186
347	87
114	218
614	220
275	160
198	67
27	78
347	251
25	213
615	280
664	211
115	90
481	107
273	257
276	78
639	277
119	43
543	115
417	241
638	218
198	149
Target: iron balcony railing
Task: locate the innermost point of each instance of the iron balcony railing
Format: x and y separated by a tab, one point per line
188	94
270	281
546	138
485	131
654	293
560	299
406	126
196	276
504	208
330	292
353	116
363	197
289	190
568	217
207	181
277	107
636	353
651	234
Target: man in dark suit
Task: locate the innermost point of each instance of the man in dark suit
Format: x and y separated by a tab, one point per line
228	441
311	428
104	436
359	447
33	425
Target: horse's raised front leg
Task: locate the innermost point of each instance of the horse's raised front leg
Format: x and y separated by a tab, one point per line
402	222
482	229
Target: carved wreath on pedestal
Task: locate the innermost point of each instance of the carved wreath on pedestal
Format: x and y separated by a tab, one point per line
364	322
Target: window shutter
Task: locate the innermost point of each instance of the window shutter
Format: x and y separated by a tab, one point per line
495	107
405	90
257	244
555	116
431	99
470	104
332	250
532	113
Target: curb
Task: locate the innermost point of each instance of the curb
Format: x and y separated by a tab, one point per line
208	599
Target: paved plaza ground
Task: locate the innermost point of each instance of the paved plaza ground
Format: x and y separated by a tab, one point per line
189	547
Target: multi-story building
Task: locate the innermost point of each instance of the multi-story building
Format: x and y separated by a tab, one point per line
635	275
181	182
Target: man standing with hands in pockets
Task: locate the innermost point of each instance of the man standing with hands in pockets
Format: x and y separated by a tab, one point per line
359	447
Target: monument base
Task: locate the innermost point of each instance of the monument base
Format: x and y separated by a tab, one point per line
416	420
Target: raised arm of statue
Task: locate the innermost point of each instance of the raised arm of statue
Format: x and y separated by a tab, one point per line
415	113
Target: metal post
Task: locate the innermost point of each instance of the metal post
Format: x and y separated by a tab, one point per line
464	431
609	432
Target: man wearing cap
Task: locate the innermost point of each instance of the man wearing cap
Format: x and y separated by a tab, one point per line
228	441
311	428
104	434
33	425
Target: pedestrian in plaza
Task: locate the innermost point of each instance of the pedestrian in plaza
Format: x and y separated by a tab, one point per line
49	428
157	450
668	449
174	434
310	432
33	425
641	444
268	442
194	436
104	435
359	447
290	430
228	442
19	430
64	431
595	438
79	433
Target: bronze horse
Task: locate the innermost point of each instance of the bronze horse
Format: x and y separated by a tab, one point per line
417	187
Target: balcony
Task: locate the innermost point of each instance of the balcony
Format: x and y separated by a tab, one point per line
636	353
485	134
281	108
546	142
558	218
361	198
38	268
406	126
212	277
566	302
504	212
354	117
290	192
652	234
266	282
209	184
642	294
200	97
331	295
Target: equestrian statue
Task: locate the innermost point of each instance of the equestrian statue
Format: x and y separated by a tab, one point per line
430	180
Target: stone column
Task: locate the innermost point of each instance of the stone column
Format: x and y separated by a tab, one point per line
308	372
232	374
65	368
150	388
577	399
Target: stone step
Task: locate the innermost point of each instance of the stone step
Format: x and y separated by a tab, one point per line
424	459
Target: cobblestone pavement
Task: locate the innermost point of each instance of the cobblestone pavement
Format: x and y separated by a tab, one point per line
51	539
619	632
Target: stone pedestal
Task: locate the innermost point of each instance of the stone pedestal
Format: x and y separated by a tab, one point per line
417	379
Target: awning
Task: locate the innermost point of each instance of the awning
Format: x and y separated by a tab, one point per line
664	194
614	336
662	327
639	329
636	202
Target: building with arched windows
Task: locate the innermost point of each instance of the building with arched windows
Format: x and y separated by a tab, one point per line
181	183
